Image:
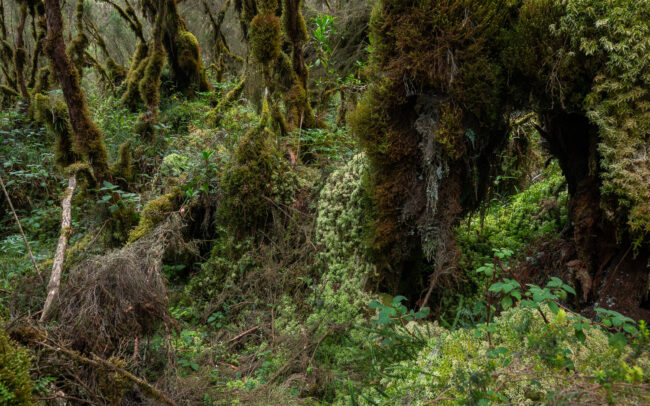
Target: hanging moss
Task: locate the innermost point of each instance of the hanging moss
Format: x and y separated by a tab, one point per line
617	36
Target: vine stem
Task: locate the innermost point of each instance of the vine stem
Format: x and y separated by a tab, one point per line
20	227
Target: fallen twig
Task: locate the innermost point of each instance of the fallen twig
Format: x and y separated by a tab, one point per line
228	365
147	390
240	335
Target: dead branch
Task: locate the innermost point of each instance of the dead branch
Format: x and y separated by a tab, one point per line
240	335
97	362
62	245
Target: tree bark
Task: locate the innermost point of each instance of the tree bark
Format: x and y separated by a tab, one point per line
62	245
20	55
88	138
608	274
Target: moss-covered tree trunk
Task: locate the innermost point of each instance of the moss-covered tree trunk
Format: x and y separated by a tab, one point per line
427	124
606	268
183	51
88	140
39	30
149	85
9	90
299	112
20	55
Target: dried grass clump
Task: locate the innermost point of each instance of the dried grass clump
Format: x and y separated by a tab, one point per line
120	296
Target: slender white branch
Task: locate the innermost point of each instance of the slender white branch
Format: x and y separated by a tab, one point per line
62	245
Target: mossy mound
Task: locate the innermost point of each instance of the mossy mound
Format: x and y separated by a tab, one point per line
257	179
344	208
154	212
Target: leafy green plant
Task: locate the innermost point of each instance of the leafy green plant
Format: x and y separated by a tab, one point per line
322	33
396	312
114	198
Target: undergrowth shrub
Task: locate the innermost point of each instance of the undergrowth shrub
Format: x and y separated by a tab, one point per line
15	383
532	356
181	113
517	220
255	180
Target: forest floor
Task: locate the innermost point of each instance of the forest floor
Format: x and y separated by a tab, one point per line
199	282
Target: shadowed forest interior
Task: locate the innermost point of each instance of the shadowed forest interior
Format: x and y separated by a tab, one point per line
324	202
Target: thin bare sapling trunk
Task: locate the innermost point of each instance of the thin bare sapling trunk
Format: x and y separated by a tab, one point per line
66	231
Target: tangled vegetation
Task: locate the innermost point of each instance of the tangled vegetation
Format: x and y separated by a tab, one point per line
256	202
16	385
